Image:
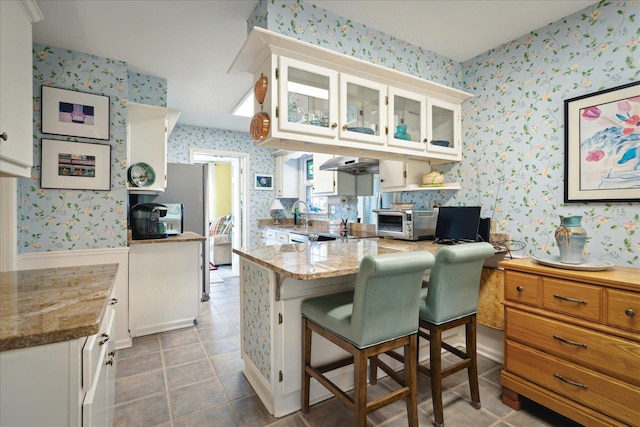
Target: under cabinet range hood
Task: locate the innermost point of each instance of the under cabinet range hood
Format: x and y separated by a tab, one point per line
352	165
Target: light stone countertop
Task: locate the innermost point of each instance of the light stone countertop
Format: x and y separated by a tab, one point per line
187	236
51	305
315	260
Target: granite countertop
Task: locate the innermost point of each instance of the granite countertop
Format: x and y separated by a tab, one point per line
355	230
187	236
315	260
51	305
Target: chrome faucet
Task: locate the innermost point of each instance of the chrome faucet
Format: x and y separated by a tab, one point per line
306	209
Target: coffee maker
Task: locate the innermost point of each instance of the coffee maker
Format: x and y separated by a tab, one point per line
145	221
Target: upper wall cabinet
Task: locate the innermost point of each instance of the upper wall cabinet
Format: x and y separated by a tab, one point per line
148	128
319	100
16	86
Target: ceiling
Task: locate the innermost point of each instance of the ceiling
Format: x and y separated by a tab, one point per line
192	43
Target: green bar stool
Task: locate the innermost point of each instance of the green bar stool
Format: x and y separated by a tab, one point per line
379	315
450	300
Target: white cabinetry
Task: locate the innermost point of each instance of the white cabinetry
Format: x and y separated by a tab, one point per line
333	183
323	101
69	383
16	86
287	177
164	285
148	128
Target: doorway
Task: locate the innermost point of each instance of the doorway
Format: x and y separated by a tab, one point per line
239	192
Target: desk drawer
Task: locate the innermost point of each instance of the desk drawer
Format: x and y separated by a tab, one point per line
574	299
600	392
614	356
623	309
522	287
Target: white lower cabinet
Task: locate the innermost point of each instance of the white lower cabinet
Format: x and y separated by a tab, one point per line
69	383
165	286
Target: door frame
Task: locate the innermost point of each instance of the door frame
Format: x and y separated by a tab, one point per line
239	195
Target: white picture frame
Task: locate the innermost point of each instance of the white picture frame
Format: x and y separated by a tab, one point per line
75	165
73	113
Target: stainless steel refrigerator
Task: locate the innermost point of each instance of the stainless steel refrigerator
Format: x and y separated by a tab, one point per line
188	184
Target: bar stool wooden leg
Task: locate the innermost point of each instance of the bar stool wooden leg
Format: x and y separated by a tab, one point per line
411	379
435	369
360	391
472	371
306	361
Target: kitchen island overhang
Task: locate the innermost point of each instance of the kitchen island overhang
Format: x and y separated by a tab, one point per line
274	280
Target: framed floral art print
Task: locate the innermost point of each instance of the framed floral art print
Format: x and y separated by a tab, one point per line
602	146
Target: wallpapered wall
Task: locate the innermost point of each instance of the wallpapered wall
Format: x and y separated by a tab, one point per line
513	129
51	220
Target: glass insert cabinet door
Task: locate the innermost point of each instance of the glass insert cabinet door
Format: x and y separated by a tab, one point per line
444	127
407	118
362	110
308	100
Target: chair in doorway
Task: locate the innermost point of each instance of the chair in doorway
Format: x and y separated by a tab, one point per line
379	315
449	300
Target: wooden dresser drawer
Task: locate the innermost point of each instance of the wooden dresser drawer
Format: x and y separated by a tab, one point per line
522	287
600	392
623	309
614	356
572	298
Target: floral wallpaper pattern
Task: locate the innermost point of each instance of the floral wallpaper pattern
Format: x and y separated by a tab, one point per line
320	27
256	316
50	219
145	89
513	162
260	161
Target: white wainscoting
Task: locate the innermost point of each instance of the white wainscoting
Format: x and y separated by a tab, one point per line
118	256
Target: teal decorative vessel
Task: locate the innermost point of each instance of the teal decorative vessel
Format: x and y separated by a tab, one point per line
571	239
401	133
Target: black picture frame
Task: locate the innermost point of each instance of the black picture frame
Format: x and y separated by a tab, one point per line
602	132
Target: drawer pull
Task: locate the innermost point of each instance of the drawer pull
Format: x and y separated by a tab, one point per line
579	301
106	338
629	312
558	376
519	288
566	341
113	301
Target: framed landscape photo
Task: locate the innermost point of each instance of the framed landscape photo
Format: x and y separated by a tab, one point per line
73	113
263	181
75	165
602	146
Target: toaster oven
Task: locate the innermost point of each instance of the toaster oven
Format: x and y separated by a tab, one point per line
406	224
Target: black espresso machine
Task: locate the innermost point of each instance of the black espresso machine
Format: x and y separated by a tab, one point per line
145	221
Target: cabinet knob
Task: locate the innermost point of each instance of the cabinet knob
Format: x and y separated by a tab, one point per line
4	136
425	140
629	312
519	288
344	127
334	125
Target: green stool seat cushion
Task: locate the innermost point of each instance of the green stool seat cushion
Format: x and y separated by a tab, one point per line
383	305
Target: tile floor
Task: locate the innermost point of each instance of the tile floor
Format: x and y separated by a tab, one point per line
193	377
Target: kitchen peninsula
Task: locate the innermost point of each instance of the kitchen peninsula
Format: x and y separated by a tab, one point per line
274	280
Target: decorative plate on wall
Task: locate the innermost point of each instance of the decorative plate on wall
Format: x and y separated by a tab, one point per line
141	175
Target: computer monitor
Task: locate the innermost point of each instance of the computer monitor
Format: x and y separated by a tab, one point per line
457	224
